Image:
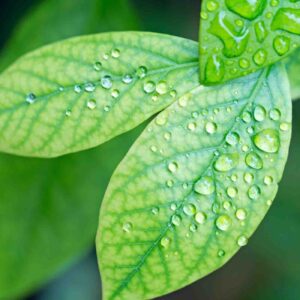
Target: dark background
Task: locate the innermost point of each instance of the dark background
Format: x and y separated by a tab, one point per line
269	268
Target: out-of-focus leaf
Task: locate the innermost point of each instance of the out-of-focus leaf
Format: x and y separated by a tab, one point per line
195	186
49	208
81	92
238	37
293	69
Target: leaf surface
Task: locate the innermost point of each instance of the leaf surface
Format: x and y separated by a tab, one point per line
195	186
79	93
240	37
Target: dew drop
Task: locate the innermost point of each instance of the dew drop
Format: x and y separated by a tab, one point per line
260	57
68	113
170	182
91	104
254	161
223	222
284	126
259	113
106	82
232	138
189	209
115	94
248	177
192	126
226	162
141	72
77	89
127	227
155	210
281	45
200	217
215	69
242	241
127	79
205	186
30	98
268	180
267	141
149	87
161	119
193	228
176	220
212	5
165	242
246	8
241	214
275	114
89	87
172	167
97	66
254	192
211	127
232	192
115	53
246	117
244	63
162	88
221	253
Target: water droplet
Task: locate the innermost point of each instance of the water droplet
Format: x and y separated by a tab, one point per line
211	127
165	242
162	88
106	108
221	253
149	87
281	44
106	56
242	241
192	126
287	19
260	57
223	222
205	186
30	98
244	63
232	192
89	87
254	161
170	183
200	217
155	210
106	82
141	72
226	162
212	5
260	31
267	140
77	89
227	205
241	214
127	79
183	101
284	126
153	148
167	136
275	114
97	66
268	180
176	220
91	104
115	94
249	9
68	113
173	94
193	228
246	117
259	113
115	53
127	227
161	119
172	167
232	138
248	177
189	209
254	192
215	70
173	206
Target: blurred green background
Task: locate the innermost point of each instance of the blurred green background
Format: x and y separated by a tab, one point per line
269	268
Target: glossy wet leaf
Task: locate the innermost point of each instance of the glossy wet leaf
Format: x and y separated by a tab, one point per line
81	92
195	186
44	203
240	37
293	67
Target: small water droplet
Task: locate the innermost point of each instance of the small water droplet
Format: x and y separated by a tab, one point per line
200	217
267	140
205	186
232	192
226	162
223	222
115	94
259	113
127	79
68	113
89	87
275	114
248	177
170	183
106	82
92	104
155	210
193	227
281	45
242	241
212	5
173	206
77	89
165	242
268	180
189	209
211	127
115	53
162	88
254	192
232	138
97	66
246	117
149	87
284	126
176	220
127	227
172	167
254	161
192	126
221	253
244	63
141	72
30	98
161	119
241	214
260	57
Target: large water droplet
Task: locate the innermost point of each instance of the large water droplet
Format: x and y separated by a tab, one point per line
254	161
267	140
214	70
249	9
259	113
287	19
223	222
205	186
226	162
260	31
260	57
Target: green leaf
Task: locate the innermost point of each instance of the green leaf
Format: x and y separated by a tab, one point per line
79	93
195	186
293	65
239	37
45	203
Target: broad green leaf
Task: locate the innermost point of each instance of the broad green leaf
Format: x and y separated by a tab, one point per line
195	186
44	204
54	20
81	92
293	67
238	37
